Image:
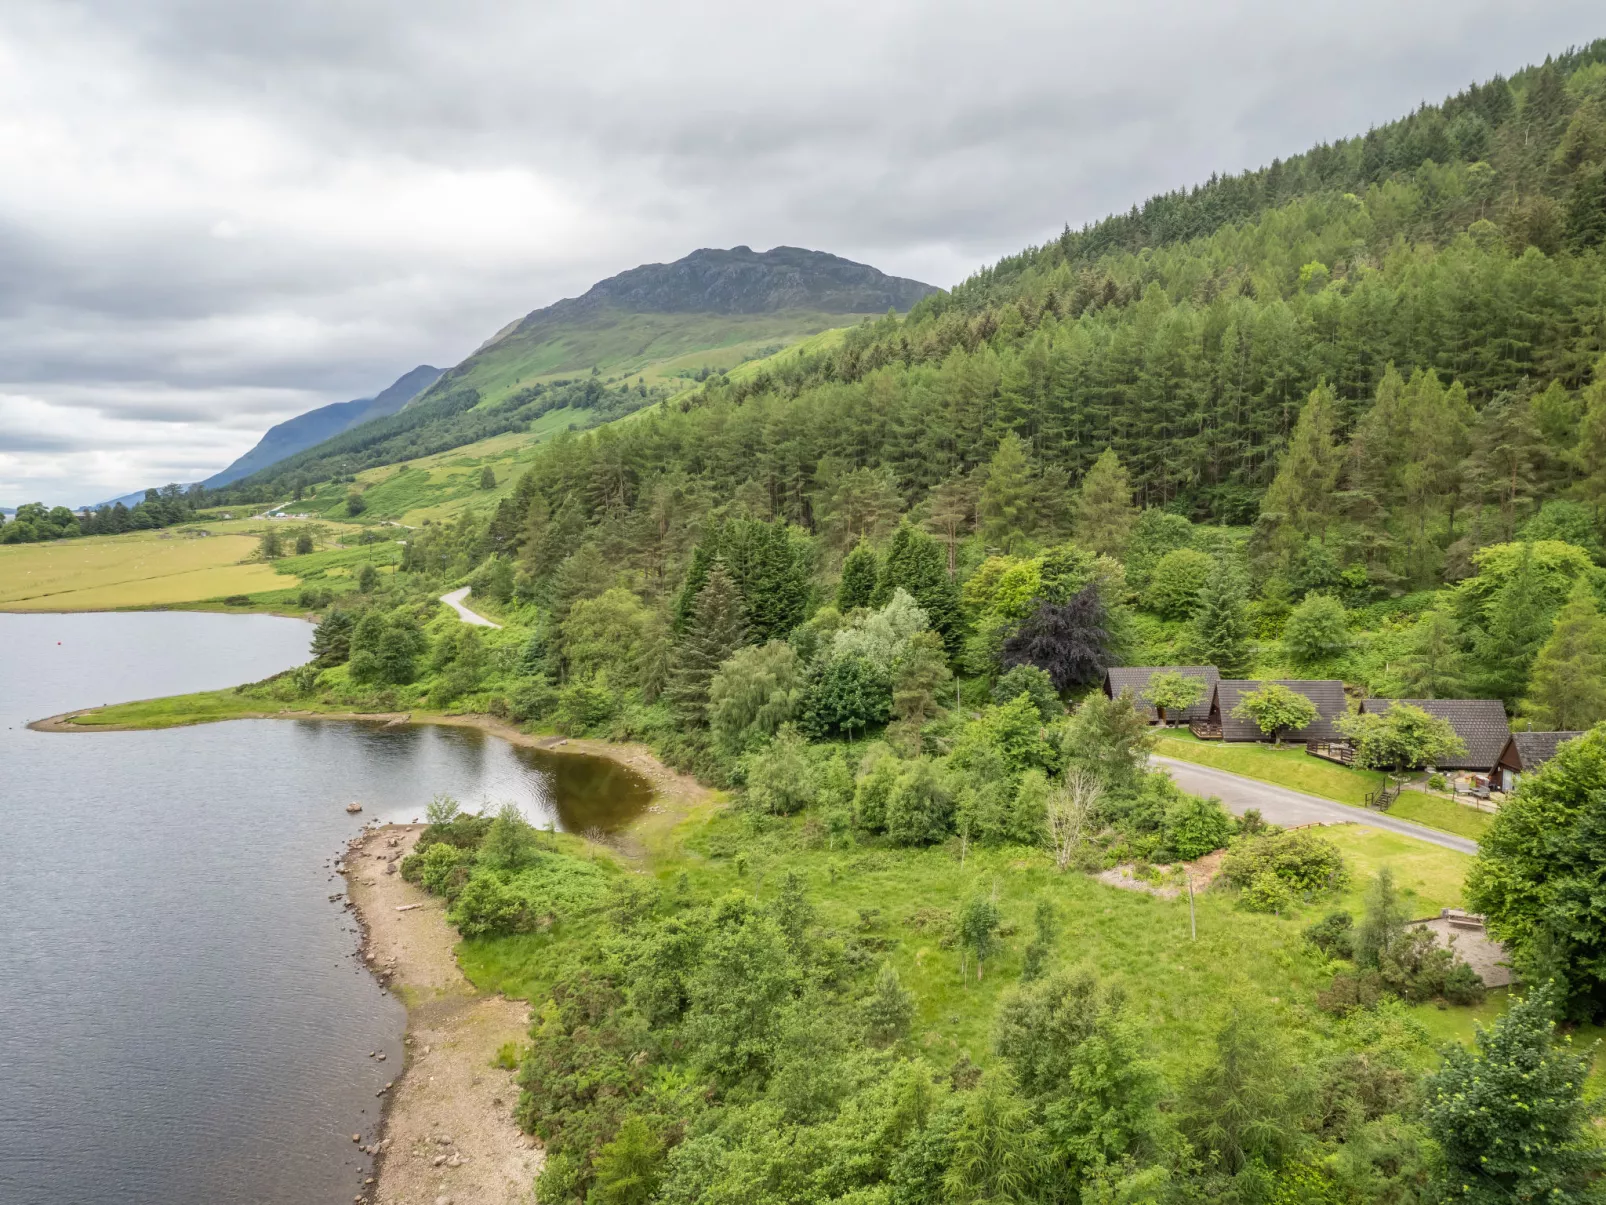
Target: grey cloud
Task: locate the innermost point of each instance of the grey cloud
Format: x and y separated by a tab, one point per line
314	195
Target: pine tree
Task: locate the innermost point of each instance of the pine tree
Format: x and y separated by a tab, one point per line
859	574
716	629
1006	496
951	507
1219	633
1567	691
1104	511
1519	620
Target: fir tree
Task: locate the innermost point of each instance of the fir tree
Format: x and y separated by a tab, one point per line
717	628
1104	511
859	573
1219	633
1519	619
1567	691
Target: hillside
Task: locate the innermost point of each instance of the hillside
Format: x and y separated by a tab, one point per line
631	339
303	431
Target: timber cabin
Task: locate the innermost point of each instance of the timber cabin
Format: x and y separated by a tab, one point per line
1136	679
1525	752
1480	723
1326	694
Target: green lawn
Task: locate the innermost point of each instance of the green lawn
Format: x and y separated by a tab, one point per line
1444	814
1290	766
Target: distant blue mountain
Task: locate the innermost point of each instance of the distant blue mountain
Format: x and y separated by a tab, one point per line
304	430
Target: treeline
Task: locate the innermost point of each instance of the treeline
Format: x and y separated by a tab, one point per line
159	508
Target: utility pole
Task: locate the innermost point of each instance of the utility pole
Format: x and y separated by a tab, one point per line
1193	923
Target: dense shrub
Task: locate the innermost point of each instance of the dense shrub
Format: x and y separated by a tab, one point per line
1304	862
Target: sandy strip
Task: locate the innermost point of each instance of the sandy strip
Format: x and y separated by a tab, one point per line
449	1135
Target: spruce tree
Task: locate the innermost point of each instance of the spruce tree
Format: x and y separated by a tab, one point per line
1519	620
1219	633
859	574
1433	666
1104	511
1568	689
717	628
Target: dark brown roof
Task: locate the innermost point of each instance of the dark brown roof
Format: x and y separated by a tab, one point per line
1534	749
1328	695
1480	723
1136	679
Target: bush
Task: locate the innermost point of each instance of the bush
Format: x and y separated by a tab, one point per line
533	699
441	869
1195	826
1349	991
1175	582
1333	935
1305	863
1033	682
780	779
919	807
487	907
585	704
1266	892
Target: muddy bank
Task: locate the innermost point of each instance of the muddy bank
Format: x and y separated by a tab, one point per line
448	1131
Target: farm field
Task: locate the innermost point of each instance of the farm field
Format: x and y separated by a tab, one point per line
141	569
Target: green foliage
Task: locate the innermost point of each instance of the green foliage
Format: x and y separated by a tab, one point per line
1540	869
1104	514
1404	737
1567	690
847	694
1433	665
331	642
917	565
1173	693
717	628
1035	684
1007	493
1194	826
1316	632
1176	582
1276	709
859	574
1110	738
753	693
1307	864
889	1009
978	927
1382	927
1511	1115
919	805
780	778
1333	935
1219	633
1155	533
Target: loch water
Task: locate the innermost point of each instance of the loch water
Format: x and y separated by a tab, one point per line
183	1018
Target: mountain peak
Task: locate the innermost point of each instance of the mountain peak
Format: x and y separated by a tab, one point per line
740	280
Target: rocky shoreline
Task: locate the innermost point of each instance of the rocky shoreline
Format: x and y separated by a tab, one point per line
446	1134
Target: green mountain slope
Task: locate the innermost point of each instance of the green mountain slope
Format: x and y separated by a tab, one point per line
629	340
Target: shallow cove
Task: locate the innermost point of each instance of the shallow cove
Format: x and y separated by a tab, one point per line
181	1016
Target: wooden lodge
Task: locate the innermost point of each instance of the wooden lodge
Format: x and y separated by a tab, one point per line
1525	752
1135	678
1480	723
1326	694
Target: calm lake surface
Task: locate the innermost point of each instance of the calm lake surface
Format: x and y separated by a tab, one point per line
182	1018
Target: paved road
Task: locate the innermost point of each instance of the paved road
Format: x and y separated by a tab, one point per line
1280	805
454	600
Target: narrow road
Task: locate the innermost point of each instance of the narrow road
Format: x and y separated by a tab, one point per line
1280	805
454	600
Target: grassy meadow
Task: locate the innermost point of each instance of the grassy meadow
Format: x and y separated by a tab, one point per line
904	901
138	569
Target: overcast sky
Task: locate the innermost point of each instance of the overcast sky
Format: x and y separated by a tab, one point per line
216	215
